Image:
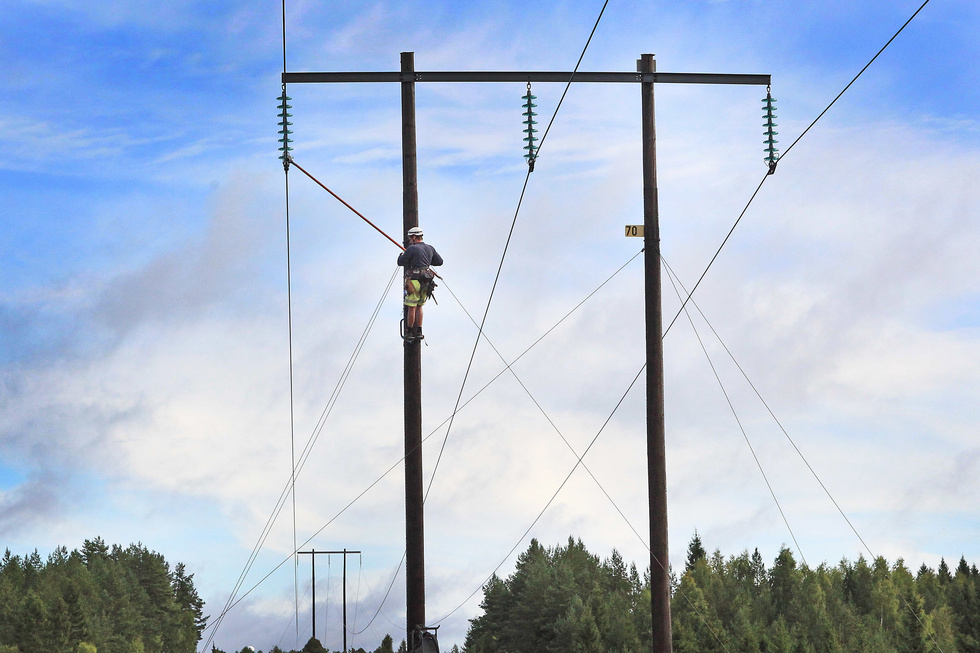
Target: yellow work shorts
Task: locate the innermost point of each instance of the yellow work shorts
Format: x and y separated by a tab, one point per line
413	293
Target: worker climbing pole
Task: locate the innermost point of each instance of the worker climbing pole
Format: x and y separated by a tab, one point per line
417	260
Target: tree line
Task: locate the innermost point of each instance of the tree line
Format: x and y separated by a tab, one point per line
98	600
559	599
565	599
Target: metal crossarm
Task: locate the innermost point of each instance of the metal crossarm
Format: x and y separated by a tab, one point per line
518	76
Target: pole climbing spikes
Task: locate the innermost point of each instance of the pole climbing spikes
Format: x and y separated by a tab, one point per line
284	124
772	153
529	129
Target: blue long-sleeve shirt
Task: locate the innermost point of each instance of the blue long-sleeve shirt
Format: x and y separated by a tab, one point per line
419	256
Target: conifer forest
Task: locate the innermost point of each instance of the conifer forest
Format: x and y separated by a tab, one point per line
559	599
98	600
567	599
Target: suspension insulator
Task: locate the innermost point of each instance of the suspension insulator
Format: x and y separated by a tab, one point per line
529	129
284	124
768	121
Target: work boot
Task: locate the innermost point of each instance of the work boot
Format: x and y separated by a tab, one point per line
418	333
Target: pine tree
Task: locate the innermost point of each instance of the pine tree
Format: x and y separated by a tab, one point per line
695	552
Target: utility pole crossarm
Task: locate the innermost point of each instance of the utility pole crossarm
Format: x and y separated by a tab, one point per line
517	76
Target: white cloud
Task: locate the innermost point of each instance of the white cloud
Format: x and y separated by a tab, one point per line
158	380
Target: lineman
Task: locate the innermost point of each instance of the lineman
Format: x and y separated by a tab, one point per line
416	259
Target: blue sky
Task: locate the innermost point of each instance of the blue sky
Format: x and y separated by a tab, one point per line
144	361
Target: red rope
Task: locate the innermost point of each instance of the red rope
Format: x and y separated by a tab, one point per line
340	199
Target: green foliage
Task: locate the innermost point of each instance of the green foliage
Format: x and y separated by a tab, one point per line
314	646
695	552
738	605
558	600
97	600
566	599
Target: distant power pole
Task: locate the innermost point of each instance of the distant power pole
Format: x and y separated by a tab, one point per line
313	554
646	76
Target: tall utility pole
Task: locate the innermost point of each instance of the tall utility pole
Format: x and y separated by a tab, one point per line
313	554
656	432
646	76
414	518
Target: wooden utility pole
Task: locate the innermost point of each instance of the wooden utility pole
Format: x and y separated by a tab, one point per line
656	432
414	516
646	76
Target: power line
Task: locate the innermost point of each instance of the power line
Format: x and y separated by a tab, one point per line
485	315
861	72
232	602
792	145
289	313
476	343
509	368
280	504
738	421
553	496
792	442
569	84
503	257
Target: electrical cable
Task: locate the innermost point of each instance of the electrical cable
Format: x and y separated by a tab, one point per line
782	156
795	447
900	29
394	577
568	85
579	461
723	243
286	162
286	629
335	394
503	256
779	424
552	499
289	313
509	367
234	600
230	603
476	343
357	598
731	407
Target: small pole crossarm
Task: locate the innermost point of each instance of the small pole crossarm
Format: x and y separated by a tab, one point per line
517	76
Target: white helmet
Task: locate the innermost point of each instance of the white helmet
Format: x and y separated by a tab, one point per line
415	231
